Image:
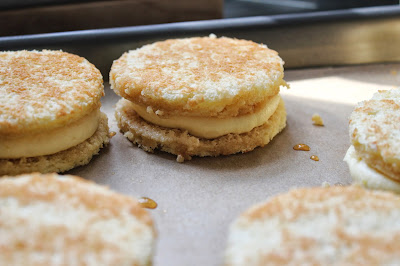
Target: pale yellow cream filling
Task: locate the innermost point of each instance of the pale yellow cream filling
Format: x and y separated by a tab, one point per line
50	142
365	175
210	127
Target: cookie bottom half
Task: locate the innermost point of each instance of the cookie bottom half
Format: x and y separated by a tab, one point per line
62	161
150	137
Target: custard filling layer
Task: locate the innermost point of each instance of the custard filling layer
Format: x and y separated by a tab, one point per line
364	174
50	142
211	127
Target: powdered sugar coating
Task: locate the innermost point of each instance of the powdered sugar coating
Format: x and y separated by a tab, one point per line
205	76
318	226
42	90
65	220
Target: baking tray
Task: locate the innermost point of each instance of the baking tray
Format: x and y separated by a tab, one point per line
198	199
12	4
352	36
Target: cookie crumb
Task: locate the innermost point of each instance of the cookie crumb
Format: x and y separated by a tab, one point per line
180	159
325	184
129	135
149	110
112	134
159	112
317	120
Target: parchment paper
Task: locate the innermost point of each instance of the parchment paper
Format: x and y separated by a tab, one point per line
198	199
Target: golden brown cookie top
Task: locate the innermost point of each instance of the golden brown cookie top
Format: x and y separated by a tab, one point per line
49	218
319	226
375	131
202	76
42	90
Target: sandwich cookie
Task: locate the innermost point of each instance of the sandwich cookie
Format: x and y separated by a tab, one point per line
47	219
202	96
50	118
318	226
374	156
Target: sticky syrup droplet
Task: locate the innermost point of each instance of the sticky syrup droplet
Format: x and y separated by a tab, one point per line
148	203
314	157
301	147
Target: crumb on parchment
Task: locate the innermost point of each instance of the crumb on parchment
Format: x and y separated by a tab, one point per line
317	120
180	159
325	184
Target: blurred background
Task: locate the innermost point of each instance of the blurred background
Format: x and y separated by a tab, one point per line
240	8
19	17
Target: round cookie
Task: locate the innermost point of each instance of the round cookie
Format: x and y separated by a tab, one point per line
62	161
318	226
176	141
375	132
50	117
202	76
202	96
65	220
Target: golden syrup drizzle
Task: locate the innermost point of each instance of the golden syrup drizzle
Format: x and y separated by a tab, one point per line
301	147
314	158
148	203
